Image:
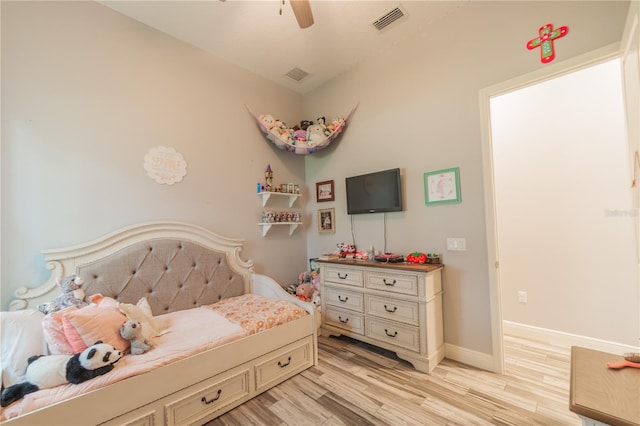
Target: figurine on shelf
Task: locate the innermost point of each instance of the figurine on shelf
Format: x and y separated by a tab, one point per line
268	175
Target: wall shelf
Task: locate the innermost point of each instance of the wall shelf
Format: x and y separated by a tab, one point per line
266	195
267	226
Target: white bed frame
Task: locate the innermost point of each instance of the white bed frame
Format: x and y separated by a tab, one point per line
196	389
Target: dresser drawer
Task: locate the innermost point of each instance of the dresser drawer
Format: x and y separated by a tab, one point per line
284	363
346	320
394	309
345	276
211	398
393	333
392	282
344	298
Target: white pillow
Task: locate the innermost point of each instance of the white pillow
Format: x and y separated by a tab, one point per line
21	337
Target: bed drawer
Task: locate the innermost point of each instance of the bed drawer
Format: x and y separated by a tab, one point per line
345	276
344	298
283	363
211	398
346	320
144	416
393	309
393	333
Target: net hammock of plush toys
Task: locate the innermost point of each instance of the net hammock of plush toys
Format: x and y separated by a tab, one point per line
304	139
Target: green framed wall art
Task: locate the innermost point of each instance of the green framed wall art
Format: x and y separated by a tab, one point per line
442	187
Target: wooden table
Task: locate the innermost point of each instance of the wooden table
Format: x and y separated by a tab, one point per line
602	394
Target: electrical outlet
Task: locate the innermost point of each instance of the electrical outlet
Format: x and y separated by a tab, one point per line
456	244
522	296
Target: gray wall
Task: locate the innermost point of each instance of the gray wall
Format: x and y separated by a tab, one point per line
86	92
419	110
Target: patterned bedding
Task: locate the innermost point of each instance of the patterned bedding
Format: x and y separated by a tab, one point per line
226	321
256	313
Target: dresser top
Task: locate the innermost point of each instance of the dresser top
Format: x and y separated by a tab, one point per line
402	266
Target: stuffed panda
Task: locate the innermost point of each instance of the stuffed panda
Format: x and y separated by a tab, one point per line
49	371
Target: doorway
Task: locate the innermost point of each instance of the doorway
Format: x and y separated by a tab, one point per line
557	181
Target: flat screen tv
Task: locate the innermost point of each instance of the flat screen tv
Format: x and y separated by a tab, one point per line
374	192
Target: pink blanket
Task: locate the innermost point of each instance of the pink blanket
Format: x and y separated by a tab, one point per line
180	341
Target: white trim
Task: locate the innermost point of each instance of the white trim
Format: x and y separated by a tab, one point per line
468	357
549	71
560	338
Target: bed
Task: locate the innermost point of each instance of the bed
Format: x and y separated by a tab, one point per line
195	283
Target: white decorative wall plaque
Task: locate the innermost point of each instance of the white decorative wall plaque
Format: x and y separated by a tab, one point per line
165	165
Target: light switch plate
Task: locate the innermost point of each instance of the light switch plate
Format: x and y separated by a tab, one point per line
456	244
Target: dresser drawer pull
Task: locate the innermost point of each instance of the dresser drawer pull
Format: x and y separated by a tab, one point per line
395	333
344	321
395	308
204	398
343	300
384	280
281	365
341	277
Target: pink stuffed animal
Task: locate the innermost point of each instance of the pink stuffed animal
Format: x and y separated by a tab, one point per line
305	292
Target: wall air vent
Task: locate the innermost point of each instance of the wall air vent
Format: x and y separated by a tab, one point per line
297	74
389	18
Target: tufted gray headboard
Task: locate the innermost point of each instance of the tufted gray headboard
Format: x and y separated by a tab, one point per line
172	275
174	265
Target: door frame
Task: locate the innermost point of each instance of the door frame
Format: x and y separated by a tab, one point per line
548	72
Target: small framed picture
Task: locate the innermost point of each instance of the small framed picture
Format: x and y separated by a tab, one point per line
326	221
324	191
442	187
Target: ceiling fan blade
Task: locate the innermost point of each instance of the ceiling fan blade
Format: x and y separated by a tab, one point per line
302	11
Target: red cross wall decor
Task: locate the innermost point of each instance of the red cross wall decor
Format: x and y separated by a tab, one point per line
545	40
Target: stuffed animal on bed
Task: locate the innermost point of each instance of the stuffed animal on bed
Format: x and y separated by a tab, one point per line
72	295
132	330
49	371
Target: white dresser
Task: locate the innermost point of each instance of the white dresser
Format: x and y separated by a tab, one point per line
396	306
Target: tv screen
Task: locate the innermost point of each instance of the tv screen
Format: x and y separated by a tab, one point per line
374	192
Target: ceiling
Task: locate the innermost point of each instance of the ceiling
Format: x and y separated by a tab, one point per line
255	36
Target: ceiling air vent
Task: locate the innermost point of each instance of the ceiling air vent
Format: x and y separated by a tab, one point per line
389	18
297	74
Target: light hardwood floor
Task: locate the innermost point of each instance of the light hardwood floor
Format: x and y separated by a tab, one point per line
356	384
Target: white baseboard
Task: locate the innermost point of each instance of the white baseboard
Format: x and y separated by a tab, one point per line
485	361
466	356
564	339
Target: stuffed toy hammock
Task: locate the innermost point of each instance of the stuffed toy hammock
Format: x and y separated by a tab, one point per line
298	141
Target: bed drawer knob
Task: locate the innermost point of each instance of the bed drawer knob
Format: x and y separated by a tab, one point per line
281	365
204	398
